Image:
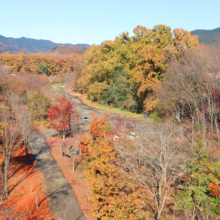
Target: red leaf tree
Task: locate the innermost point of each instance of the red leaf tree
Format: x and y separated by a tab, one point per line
61	114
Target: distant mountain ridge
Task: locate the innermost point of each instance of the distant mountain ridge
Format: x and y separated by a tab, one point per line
29	45
207	36
61	49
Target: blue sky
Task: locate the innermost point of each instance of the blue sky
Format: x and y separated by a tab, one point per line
93	21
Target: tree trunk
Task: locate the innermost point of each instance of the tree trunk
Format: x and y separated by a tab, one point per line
37	200
6	179
74	164
158	215
26	151
159	193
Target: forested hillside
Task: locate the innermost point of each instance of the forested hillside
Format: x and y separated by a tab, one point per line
28	45
126	72
207	36
50	64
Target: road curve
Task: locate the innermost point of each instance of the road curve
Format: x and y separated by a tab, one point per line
86	110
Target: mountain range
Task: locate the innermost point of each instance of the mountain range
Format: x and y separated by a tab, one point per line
28	45
207	36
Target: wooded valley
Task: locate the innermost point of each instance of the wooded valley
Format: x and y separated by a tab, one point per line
163	164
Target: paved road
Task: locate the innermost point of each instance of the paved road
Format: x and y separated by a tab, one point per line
86	110
62	201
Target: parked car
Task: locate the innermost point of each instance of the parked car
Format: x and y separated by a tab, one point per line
82	119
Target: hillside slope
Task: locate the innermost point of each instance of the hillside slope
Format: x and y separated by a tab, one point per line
207	36
61	49
28	45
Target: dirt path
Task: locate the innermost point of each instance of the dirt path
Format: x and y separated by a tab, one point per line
62	200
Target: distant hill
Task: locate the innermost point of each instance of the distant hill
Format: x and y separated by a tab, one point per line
61	49
207	36
28	45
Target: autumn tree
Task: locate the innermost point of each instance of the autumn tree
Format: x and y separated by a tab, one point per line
61	114
156	159
22	115
4	75
191	92
33	81
112	195
11	139
143	57
71	80
38	104
25	122
13	101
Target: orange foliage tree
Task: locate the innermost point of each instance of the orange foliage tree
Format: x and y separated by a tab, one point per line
113	196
